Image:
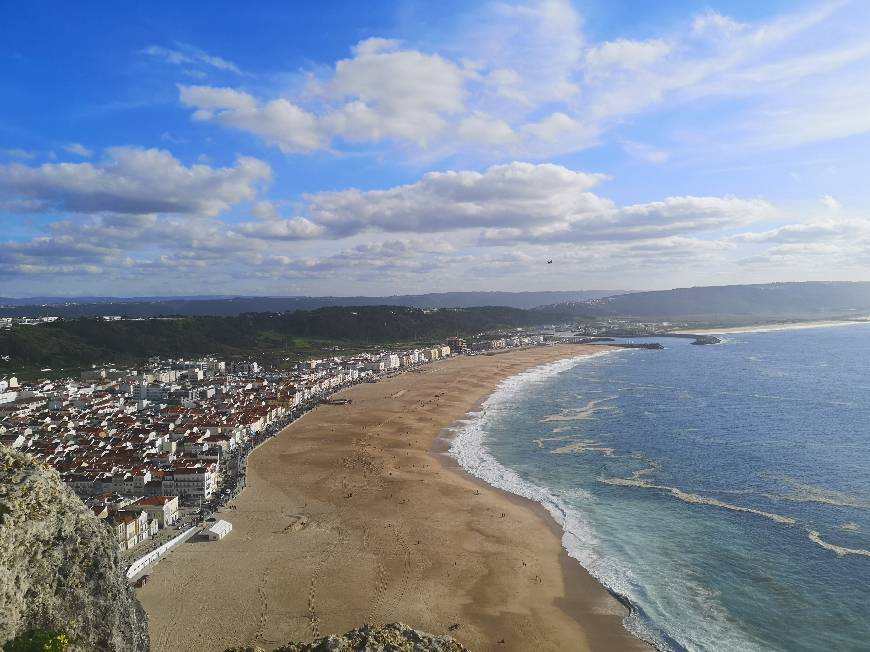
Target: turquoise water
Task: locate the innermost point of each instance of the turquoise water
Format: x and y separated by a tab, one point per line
723	490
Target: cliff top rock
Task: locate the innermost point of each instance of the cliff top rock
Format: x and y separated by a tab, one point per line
396	637
59	564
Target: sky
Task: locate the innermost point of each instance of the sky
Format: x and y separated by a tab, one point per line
282	148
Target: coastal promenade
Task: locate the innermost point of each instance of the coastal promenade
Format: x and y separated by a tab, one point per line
350	517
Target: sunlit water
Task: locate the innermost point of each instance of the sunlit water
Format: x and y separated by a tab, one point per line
724	490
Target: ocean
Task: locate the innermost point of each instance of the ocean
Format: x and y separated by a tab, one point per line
724	491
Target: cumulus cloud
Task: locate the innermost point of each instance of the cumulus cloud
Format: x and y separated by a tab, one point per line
393	93
512	194
136	181
524	80
669	217
381	93
297	228
494	224
278	122
506	205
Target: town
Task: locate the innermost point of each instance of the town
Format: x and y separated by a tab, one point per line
156	450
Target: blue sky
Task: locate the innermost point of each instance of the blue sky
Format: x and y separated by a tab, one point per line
348	148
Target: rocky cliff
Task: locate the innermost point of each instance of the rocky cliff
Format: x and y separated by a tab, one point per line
59	564
389	638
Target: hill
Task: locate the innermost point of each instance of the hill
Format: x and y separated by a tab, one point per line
737	304
78	342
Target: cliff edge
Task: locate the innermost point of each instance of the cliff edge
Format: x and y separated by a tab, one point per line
59	564
396	637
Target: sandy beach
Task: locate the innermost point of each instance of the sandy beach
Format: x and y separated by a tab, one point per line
351	517
766	328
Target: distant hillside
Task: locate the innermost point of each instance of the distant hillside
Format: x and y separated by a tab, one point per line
231	307
734	303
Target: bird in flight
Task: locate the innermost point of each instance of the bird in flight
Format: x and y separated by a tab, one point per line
550	261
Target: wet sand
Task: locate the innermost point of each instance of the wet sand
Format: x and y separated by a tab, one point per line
351	517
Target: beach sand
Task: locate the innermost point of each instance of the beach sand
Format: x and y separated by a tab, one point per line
350	517
783	326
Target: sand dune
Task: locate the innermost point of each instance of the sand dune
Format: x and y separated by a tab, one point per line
350	517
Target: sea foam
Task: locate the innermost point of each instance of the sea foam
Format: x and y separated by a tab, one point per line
578	538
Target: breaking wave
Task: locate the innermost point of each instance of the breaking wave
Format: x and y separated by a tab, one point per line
695	499
585	412
578	538
840	551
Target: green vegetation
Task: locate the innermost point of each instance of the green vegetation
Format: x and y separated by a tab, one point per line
275	337
38	641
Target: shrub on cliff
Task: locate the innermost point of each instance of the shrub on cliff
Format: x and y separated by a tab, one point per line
38	641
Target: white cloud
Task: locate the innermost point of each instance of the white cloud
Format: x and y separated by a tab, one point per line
645	152
393	93
626	54
712	24
297	228
558	128
381	93
513	194
136	181
669	217
209	98
134	217
486	130
79	150
509	84
15	152
523	80
831	203
184	54
541	45
278	122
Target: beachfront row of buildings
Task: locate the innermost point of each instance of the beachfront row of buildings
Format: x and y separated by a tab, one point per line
139	444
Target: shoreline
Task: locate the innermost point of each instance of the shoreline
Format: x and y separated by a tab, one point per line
575	575
351	516
540	499
774	327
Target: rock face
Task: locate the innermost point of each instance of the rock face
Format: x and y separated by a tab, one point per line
59	564
389	638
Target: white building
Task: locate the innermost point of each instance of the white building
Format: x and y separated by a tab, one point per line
218	530
193	483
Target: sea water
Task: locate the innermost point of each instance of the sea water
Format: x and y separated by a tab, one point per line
723	490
